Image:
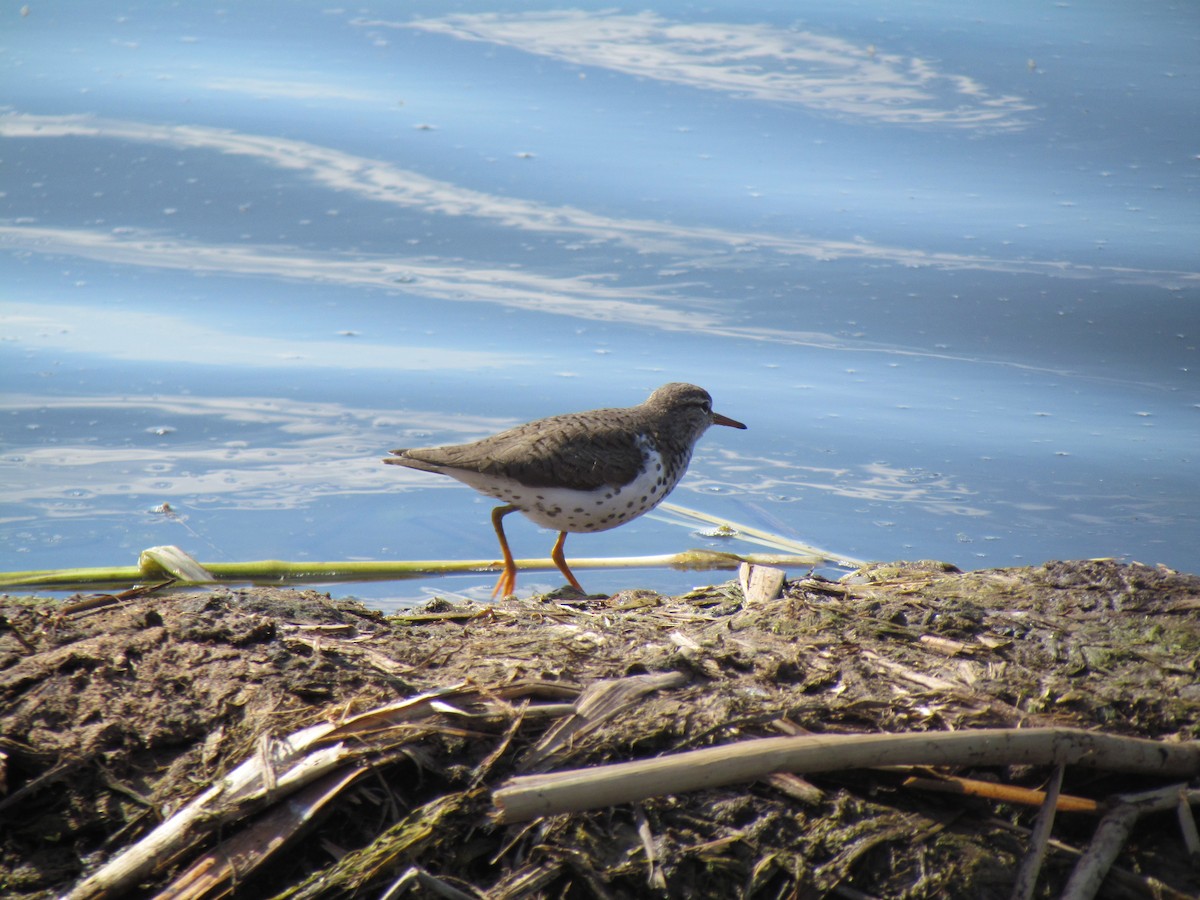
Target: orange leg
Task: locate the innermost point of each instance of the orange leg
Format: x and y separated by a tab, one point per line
508	578
559	560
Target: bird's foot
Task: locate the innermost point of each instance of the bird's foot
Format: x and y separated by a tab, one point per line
506	584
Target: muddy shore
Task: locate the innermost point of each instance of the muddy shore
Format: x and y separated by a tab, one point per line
117	715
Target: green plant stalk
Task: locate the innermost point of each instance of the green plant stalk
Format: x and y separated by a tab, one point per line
274	571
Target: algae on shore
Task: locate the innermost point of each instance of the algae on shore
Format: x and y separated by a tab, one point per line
115	715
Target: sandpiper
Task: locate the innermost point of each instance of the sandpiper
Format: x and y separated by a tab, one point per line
579	472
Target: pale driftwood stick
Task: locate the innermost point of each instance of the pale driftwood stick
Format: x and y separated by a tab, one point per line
531	796
1110	837
1031	865
1089	873
1187	825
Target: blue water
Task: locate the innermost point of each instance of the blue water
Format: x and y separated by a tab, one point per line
941	258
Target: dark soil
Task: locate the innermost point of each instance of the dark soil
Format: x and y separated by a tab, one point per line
114	713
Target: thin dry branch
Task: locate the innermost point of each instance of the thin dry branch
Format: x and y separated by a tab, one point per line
1031	865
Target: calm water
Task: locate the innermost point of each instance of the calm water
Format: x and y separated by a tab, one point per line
941	258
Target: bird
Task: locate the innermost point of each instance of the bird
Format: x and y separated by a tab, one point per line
578	472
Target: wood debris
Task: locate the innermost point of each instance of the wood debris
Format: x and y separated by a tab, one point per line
909	730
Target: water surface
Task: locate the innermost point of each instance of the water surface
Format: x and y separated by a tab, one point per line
940	258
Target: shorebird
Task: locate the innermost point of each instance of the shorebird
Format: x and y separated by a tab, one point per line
578	472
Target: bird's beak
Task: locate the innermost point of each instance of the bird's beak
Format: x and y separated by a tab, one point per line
719	419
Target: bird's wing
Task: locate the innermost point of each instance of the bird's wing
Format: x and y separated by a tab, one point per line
575	450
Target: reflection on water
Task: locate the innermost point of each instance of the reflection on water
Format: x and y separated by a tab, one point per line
952	289
268	451
152	337
781	480
819	71
380	182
